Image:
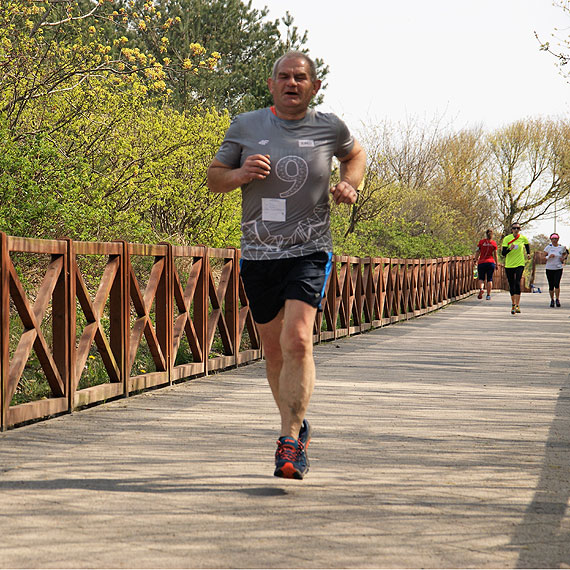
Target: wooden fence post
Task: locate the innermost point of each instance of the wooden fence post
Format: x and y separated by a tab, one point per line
63	326
234	292
4	327
164	310
120	301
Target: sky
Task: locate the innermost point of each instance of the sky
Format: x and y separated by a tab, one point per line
464	62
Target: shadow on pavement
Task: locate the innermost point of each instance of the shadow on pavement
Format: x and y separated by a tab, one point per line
143	485
543	536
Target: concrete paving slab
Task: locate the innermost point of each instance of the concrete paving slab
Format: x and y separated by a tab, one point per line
441	442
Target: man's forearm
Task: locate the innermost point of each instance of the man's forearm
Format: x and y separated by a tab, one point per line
222	179
352	170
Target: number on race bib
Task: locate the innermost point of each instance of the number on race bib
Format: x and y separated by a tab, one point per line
292	169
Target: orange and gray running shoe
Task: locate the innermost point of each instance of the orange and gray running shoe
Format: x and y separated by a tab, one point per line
291	461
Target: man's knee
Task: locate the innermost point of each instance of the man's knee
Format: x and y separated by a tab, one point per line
296	337
297	343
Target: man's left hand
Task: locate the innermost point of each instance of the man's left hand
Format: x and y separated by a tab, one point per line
344	193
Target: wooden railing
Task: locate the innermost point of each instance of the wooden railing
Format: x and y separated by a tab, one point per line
539	258
105	320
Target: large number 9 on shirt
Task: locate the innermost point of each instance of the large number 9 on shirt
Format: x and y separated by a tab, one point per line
292	169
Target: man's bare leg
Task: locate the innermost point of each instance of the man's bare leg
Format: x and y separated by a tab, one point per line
270	333
288	346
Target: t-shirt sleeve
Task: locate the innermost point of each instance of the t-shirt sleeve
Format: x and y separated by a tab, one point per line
505	242
231	148
344	140
494	244
527	245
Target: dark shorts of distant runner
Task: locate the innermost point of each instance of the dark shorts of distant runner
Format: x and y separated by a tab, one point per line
514	276
553	276
485	271
269	283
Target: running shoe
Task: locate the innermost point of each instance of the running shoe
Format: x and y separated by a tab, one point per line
304	439
480	296
488	297
552	303
557	302
290	459
517	309
305	435
513	311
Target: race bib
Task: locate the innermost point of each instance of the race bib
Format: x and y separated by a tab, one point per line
273	209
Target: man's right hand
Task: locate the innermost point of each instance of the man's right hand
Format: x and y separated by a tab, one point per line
223	178
255	167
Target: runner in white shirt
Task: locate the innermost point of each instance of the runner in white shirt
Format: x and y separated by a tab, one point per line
555	258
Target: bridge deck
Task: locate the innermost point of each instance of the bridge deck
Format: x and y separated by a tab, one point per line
439	442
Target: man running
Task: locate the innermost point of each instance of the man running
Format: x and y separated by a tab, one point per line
281	157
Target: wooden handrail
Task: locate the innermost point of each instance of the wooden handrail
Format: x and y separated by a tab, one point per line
185	306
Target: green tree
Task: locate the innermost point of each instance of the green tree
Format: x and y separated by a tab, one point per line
35	184
460	181
247	43
88	139
378	191
53	47
529	169
416	194
177	202
123	170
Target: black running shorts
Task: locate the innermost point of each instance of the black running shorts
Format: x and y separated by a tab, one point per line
485	271
269	282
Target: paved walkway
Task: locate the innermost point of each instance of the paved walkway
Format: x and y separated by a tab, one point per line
441	442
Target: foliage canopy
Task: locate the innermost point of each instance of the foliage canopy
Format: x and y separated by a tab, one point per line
111	111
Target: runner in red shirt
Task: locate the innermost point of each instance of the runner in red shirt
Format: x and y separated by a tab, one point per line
486	260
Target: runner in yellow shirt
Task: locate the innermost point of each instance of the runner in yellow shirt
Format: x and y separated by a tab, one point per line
515	249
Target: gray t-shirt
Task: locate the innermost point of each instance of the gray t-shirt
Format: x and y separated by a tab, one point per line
287	214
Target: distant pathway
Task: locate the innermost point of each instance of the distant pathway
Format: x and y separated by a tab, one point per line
441	442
